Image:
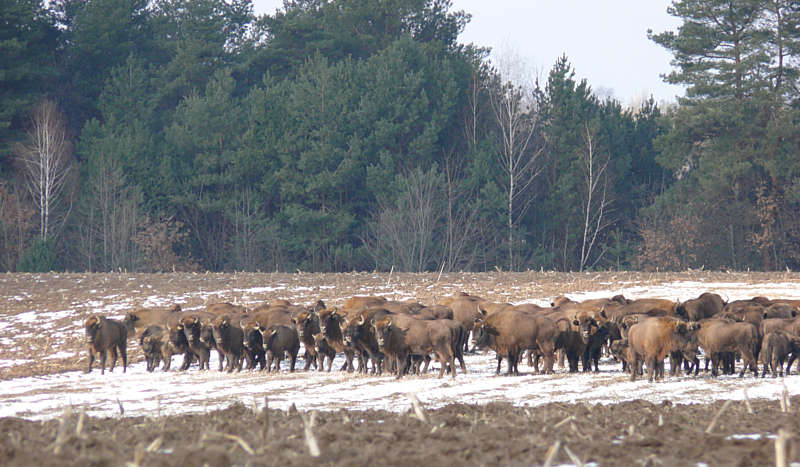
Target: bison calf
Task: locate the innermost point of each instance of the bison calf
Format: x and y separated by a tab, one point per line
105	335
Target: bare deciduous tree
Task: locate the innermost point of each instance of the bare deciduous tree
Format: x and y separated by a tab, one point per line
46	162
461	237
17	222
110	218
596	203
517	116
404	228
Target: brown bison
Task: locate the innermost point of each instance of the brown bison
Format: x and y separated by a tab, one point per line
651	340
780	310
105	335
465	312
705	306
144	317
717	336
775	349
401	337
511	332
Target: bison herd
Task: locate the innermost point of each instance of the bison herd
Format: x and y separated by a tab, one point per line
381	336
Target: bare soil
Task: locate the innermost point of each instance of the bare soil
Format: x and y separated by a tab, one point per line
633	433
630	433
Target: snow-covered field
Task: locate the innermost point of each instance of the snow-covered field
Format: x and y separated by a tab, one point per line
140	393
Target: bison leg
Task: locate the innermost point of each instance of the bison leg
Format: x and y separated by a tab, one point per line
651	368
402	365
103	356
634	365
113	350
123	351
292	361
91	360
512	363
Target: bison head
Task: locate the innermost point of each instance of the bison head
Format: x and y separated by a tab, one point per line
92	328
382	328
253	338
587	326
350	330
482	333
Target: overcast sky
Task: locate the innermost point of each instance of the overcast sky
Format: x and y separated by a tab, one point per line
605	41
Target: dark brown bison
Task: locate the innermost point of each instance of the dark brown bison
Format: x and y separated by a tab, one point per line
400	337
156	346
330	325
254	352
324	350
229	339
511	332
619	350
775	349
594	331
307	324
705	306
104	335
717	336
358	332
280	340
653	339
192	327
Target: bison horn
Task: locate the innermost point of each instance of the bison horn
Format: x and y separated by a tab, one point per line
389	324
361	320
196	320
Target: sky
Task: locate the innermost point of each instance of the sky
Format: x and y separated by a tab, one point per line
606	42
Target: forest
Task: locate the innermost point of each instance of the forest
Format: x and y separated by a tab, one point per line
352	135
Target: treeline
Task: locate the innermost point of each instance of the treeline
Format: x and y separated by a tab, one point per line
338	135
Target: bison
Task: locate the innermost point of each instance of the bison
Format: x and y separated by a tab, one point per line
705	306
511	332
144	317
651	340
229	339
401	337
717	336
307	324
280	340
775	349
105	335
330	325
324	350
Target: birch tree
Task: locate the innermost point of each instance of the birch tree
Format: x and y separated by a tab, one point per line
516	114
46	162
595	203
